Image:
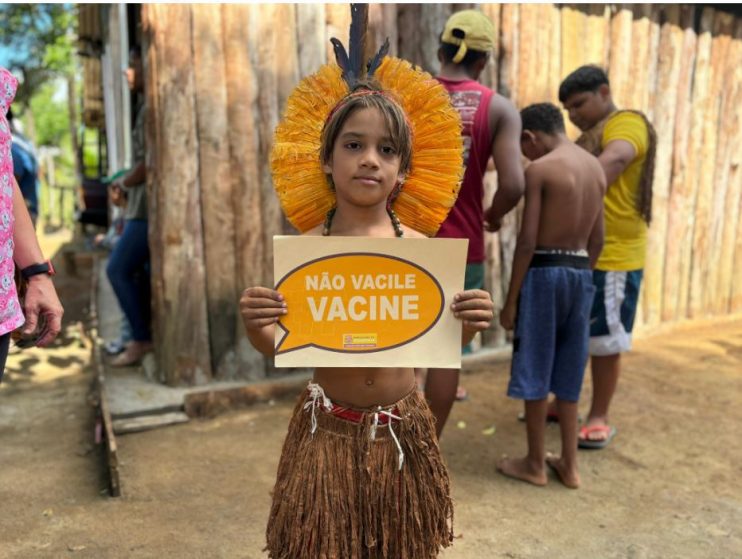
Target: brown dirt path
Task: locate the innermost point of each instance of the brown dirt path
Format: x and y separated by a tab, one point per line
670	485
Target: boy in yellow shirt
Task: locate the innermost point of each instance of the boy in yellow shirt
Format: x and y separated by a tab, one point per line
624	142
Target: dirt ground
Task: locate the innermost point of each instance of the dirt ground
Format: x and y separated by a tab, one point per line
670	485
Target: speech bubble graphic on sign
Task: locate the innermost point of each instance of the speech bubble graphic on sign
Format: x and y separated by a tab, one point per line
357	303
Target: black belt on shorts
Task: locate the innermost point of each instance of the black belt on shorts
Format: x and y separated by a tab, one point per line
541	260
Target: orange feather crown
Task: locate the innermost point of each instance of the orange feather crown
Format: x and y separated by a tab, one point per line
433	182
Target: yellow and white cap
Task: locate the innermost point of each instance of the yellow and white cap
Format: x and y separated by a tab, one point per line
469	29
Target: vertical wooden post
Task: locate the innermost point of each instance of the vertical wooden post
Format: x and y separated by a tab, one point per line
310	27
724	90
570	54
420	26
597	28
216	188
705	134
490	74
621	56
509	52
262	48
181	329
554	47
733	231
700	89
680	201
508	86
242	108
670	61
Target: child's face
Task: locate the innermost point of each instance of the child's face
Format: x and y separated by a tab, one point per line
364	164
587	108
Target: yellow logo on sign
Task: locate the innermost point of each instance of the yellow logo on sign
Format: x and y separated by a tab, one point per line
357	303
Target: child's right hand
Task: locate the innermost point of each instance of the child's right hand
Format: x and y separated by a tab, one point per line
261	307
507	316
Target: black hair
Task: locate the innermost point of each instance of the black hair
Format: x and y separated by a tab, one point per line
585	78
10	114
542	117
135	50
448	51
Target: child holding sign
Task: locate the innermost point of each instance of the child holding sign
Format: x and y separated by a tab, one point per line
551	288
361	473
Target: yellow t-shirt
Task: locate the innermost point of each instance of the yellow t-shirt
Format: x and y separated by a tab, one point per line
625	231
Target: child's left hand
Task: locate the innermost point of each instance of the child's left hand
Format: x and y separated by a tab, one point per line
474	307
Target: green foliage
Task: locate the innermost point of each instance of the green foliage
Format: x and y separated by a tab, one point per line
51	116
43	37
90	138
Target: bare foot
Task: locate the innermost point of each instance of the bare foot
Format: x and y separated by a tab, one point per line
568	476
522	469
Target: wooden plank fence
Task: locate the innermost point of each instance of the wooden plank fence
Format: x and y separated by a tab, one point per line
214	106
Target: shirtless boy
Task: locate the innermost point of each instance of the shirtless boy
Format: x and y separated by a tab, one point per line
551	288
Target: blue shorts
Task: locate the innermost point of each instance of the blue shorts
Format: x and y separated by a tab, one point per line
614	310
550	345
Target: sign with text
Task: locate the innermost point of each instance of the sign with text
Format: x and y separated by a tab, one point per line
365	302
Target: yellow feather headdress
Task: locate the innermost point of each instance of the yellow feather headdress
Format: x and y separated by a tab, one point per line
433	183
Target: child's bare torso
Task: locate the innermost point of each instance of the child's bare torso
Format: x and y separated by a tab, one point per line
365	387
571	197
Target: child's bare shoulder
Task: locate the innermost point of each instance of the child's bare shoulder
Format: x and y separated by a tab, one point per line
541	167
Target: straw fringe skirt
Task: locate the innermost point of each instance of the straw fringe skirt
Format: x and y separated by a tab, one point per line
340	494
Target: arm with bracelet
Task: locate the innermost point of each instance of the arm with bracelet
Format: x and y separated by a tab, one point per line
41	305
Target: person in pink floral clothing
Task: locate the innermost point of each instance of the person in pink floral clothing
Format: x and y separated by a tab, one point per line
19	246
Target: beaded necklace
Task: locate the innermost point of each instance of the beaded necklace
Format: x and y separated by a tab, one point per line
393	216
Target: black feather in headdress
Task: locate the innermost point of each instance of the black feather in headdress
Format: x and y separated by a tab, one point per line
353	64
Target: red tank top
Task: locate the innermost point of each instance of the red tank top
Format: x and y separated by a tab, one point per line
465	221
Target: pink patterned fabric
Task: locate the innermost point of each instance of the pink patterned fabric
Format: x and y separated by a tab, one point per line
11	316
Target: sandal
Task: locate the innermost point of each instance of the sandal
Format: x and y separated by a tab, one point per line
583	440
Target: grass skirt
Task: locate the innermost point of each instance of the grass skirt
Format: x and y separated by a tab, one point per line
340	494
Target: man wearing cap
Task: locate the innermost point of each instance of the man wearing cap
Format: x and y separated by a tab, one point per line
491	128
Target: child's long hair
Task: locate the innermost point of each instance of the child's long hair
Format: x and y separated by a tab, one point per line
370	96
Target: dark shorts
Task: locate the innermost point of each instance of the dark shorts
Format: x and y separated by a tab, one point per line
550	345
4	347
473	279
614	310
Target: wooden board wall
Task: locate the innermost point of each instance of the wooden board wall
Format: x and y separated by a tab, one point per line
215	107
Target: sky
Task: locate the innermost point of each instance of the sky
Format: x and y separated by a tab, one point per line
5	53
